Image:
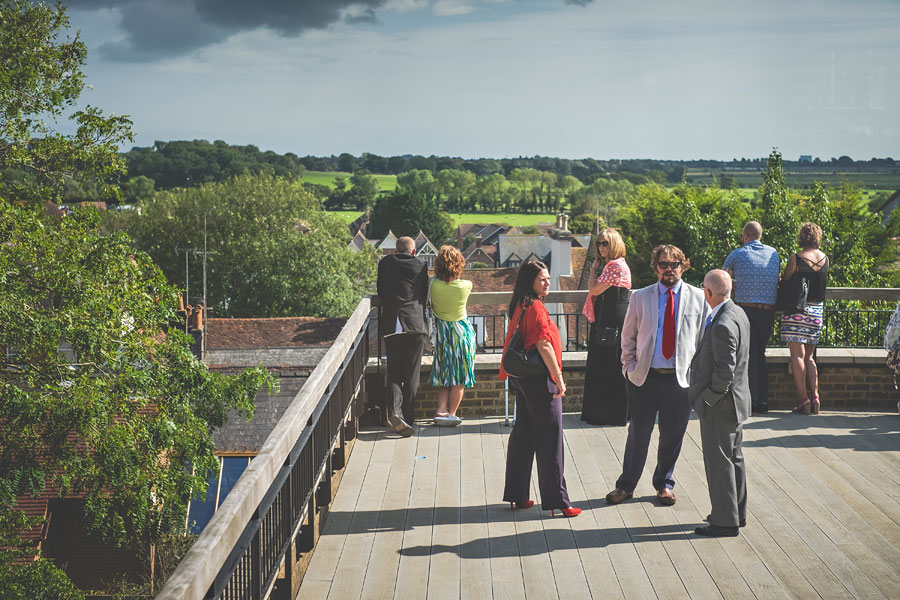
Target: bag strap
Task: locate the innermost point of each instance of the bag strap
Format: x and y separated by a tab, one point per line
428	298
522	318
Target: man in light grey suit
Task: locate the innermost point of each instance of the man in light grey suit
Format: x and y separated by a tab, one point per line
661	330
720	395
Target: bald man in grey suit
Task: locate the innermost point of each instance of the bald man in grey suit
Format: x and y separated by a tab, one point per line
720	395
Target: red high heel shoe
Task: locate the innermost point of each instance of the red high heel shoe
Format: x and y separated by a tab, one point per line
525	504
567	512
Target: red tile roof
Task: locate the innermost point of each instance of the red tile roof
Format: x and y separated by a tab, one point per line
287	332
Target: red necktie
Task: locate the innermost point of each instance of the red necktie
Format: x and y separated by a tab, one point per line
668	347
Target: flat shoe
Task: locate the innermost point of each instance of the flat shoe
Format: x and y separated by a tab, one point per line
743	522
618	495
666	497
716	531
400	426
445	421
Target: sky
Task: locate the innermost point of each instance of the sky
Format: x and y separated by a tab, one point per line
663	79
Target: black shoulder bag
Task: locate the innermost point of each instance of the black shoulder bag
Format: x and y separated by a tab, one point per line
791	298
518	362
603	337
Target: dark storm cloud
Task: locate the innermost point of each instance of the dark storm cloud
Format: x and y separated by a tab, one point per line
157	29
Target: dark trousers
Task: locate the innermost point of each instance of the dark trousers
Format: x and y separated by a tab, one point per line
537	433
761	322
404	361
660	395
722	437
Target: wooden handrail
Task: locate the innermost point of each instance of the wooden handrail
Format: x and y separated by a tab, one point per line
198	569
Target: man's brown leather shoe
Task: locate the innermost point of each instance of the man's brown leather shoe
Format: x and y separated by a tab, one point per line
666	497
617	495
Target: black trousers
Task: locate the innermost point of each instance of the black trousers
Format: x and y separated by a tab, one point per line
761	323
404	361
537	434
662	399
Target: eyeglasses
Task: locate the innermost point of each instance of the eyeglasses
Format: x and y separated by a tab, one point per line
602	244
666	265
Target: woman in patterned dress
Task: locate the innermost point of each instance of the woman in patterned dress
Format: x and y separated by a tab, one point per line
453	368
801	330
604	400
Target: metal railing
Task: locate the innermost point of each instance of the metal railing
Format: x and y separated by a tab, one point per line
244	546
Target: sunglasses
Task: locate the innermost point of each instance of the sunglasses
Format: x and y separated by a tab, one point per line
602	244
666	265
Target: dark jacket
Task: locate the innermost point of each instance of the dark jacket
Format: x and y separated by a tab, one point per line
403	288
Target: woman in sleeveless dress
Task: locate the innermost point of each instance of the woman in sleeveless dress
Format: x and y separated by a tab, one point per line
801	330
453	367
604	400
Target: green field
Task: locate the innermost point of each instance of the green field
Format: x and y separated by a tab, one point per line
513	219
802	180
386	183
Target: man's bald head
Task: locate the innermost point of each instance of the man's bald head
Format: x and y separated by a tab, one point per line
752	231
718	283
406	245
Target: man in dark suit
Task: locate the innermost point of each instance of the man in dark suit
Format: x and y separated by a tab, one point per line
403	288
720	395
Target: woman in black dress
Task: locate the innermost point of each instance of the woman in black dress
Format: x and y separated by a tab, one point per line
604	385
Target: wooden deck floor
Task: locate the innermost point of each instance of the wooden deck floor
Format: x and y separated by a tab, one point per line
422	518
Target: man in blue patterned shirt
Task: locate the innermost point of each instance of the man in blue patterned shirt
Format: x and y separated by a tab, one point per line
755	268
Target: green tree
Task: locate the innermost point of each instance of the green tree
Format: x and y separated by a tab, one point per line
405	213
101	397
653	216
41	79
777	212
364	188
603	197
488	192
455	186
274	251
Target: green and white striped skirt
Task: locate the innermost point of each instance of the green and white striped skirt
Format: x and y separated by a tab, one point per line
454	354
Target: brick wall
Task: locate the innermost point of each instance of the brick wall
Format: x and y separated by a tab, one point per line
848	379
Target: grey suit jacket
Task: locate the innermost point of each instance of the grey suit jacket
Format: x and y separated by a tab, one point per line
640	326
720	365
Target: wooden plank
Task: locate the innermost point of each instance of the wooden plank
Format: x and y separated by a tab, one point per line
384	559
444	575
630	573
475	556
412	573
568	569
585	484
324	562
355	553
807	517
506	569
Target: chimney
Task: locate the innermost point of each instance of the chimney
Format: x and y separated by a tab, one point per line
478	240
562	221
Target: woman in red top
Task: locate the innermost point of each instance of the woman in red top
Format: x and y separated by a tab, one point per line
538	428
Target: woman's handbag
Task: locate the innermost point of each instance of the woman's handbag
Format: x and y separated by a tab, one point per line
521	363
791	296
604	337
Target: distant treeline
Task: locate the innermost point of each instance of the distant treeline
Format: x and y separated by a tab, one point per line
187	163
167	165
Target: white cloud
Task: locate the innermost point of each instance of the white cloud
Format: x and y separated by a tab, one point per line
402	6
446	8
